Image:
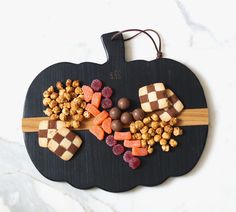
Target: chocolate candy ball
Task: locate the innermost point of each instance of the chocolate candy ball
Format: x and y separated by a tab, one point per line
138	114
116	125
126	118
123	103
115	113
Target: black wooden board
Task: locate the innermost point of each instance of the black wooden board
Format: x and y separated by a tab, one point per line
95	165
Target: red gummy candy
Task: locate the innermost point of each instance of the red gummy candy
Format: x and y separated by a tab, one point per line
107	92
118	149
106	103
96	85
134	163
110	141
127	156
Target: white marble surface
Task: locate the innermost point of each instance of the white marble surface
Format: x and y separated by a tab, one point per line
36	34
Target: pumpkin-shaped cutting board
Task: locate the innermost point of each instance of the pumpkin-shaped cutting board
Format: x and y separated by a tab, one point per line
95	165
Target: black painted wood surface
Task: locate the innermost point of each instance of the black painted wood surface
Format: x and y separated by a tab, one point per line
94	164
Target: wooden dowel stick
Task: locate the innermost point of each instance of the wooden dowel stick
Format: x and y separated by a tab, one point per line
189	117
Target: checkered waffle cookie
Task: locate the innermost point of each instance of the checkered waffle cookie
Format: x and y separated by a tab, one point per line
175	108
47	129
64	144
153	97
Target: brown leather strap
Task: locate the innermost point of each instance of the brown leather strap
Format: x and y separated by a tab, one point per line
159	53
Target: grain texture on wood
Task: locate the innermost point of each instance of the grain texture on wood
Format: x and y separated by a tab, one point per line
95	164
189	117
194	117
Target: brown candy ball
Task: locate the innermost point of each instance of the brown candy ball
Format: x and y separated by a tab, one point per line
138	114
115	113
126	118
116	125
123	103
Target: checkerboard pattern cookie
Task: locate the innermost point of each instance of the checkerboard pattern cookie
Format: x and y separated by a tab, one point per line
64	144
175	108
47	129
153	97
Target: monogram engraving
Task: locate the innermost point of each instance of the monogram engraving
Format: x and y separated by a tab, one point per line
115	75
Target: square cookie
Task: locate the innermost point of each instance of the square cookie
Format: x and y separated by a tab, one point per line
175	108
64	144
153	97
47	129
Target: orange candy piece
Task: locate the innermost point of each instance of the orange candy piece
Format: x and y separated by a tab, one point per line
106	125
98	119
136	151
121	136
98	132
88	93
92	109
96	99
132	143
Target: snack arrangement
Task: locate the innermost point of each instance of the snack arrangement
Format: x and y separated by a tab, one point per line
115	125
133	133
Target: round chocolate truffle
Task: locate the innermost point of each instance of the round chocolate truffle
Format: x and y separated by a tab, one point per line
116	125
115	113
138	114
123	103
126	118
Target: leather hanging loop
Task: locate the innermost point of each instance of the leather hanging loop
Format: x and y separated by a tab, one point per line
158	49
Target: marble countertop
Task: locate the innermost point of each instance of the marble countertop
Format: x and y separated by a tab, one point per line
201	35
